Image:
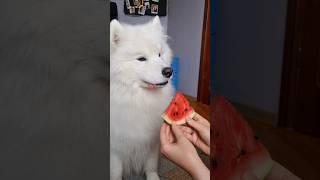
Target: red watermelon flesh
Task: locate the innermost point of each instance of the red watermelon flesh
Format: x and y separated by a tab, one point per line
178	109
238	154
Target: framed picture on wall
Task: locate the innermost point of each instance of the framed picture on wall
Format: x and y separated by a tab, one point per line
145	7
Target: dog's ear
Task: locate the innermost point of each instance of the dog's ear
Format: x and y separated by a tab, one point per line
158	28
157	23
115	32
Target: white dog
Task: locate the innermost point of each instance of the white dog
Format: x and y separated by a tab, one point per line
140	90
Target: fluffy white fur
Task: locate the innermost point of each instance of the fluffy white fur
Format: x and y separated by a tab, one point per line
135	109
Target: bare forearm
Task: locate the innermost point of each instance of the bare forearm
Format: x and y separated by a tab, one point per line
200	171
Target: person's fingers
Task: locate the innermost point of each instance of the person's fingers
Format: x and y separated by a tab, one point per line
196	125
170	135
205	148
201	129
187	129
177	132
191	137
202	120
198	142
167	130
163	135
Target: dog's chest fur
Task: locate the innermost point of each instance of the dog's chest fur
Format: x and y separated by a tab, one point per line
135	121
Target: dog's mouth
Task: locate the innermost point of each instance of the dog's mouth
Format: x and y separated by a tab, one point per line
154	86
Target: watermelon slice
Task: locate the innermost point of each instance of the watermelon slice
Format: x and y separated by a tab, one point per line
178	109
237	154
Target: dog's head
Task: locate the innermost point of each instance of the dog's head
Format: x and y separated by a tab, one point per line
140	55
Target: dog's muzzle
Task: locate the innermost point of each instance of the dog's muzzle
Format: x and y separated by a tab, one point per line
154	86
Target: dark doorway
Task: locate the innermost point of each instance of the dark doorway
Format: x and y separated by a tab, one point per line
300	91
204	73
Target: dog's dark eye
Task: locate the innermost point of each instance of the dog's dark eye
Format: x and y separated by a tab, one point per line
141	59
159	54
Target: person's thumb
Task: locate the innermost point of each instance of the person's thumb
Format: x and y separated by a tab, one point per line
196	125
177	132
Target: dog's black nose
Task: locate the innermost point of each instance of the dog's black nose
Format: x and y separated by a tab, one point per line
167	72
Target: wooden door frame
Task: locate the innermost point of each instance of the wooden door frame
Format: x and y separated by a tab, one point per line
203	95
290	65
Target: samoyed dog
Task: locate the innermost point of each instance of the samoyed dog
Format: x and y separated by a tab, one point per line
140	90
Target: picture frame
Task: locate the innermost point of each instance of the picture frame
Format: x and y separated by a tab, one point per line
145	7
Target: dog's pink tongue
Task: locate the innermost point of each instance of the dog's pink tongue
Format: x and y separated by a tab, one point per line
151	86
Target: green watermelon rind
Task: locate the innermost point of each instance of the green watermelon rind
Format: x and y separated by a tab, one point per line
181	121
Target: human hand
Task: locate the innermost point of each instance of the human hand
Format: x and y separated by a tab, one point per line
198	132
176	147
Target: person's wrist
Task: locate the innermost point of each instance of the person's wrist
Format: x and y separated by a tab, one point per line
202	173
199	170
